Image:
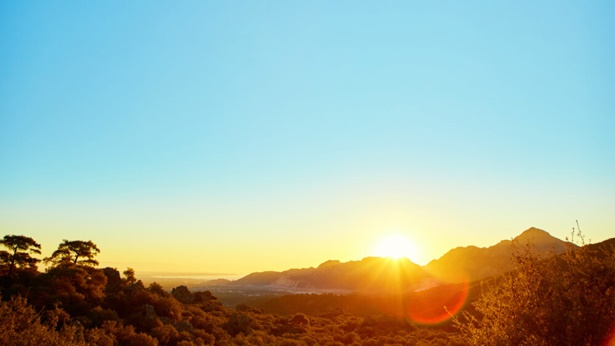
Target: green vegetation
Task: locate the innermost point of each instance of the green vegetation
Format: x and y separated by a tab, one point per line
565	299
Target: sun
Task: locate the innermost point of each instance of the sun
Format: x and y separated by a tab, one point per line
396	246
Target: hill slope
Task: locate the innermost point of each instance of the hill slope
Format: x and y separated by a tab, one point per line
371	274
476	263
383	275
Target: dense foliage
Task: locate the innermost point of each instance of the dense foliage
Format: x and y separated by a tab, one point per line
561	300
74	303
568	299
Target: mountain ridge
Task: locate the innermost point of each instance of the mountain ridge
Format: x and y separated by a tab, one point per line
381	275
481	262
366	274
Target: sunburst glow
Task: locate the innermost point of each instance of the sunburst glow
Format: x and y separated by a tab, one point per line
396	246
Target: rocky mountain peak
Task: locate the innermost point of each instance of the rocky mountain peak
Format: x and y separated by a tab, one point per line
533	235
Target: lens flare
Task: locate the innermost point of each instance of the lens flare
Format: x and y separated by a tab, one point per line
610	339
438	304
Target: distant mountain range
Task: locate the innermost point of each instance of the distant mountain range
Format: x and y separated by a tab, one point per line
385	275
368	274
475	263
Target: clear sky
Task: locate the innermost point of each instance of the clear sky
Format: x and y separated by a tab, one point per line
240	136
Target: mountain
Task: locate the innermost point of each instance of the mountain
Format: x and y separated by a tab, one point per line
474	263
371	274
384	275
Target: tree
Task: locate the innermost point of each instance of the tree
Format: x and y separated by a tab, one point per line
131	278
74	288
75	252
20	247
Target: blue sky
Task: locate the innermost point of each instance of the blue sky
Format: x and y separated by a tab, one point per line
297	132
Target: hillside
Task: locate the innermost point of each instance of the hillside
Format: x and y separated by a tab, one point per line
365	304
371	274
475	263
79	304
384	275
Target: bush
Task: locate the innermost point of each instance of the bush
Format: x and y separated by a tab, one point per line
21	325
568	299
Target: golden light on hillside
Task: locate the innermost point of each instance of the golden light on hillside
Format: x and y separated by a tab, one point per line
396	246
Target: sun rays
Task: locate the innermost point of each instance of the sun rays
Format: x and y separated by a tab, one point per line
396	246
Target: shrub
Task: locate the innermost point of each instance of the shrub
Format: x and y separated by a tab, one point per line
20	325
567	299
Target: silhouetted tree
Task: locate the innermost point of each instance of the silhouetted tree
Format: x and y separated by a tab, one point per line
131	278
114	281
74	288
76	252
157	289
20	247
182	294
